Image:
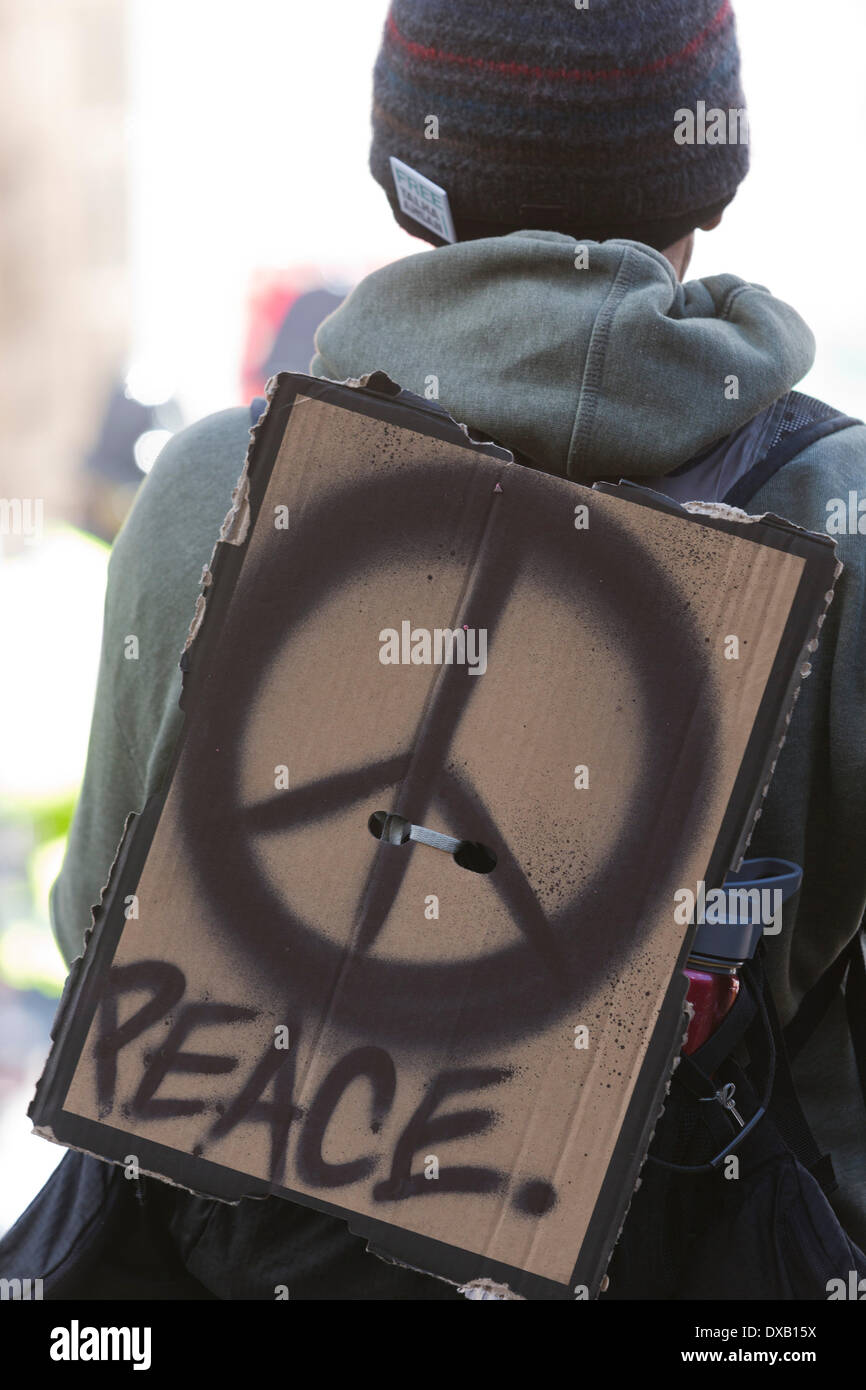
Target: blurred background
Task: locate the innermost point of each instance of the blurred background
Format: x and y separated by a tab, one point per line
183	197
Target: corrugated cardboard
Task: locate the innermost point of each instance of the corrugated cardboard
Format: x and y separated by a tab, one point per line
466	1066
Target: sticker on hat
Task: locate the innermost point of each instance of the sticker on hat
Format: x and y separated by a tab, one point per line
423	200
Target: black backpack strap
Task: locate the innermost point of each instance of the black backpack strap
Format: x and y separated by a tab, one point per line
855	1004
784	1107
800	422
848	969
818	999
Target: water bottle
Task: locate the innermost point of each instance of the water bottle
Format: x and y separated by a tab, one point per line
720	950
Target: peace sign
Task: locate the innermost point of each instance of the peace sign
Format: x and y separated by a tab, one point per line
296	877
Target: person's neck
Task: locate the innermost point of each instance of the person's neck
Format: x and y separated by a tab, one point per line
680	254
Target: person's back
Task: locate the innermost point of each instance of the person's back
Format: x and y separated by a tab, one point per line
556	323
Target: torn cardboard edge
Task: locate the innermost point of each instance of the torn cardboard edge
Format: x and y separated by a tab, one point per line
628	1161
236	524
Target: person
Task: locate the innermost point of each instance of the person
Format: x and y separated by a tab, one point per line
573	153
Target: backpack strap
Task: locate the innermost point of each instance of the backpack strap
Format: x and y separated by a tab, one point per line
848	969
817	1000
800	422
784	1107
855	1004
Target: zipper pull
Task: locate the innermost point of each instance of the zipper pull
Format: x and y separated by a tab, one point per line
725	1097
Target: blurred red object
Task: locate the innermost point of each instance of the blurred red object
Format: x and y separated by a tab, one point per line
271	296
292	299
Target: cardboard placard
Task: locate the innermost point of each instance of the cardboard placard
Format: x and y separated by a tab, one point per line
588	687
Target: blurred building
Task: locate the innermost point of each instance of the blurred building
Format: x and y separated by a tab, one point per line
64	297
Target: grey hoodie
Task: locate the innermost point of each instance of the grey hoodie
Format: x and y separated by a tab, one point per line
609	371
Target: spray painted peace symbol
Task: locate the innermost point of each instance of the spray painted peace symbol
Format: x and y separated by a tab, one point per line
555	960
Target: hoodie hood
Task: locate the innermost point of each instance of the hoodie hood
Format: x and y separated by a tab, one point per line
608	371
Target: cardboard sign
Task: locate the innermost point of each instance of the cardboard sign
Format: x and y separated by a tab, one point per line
399	938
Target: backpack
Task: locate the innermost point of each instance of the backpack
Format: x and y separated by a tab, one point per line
732	1200
691	1232
701	1226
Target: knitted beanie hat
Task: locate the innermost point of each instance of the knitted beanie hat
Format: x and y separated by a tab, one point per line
598	118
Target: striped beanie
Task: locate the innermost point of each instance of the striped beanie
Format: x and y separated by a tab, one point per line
609	118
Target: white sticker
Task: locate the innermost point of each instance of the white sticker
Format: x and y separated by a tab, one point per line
423	200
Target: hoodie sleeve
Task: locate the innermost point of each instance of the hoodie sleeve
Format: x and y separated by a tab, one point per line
815	811
154	577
